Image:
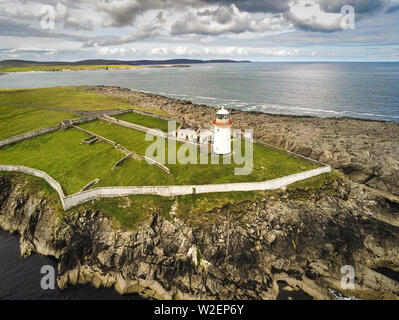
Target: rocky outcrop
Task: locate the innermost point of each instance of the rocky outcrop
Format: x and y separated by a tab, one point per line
366	151
250	249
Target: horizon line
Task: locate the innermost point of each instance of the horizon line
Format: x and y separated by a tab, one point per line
205	60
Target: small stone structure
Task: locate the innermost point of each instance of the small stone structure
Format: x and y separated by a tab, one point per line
90	140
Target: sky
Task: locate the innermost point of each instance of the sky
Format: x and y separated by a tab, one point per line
256	30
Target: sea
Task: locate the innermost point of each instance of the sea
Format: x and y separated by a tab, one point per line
359	90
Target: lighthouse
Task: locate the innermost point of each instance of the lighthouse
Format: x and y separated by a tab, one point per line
222	133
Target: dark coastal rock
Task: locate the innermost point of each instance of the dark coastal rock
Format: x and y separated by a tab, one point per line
302	244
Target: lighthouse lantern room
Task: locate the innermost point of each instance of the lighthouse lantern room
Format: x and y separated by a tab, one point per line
222	134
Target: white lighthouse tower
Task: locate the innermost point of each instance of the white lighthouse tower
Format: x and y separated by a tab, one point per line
222	134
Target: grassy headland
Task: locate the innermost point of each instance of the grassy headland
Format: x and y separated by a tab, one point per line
72	98
63	68
62	155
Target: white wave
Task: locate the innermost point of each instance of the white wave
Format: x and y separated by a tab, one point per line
207	98
318	111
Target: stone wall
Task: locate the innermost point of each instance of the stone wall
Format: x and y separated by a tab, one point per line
40	174
153	115
170	191
28	135
166	191
133	126
32	134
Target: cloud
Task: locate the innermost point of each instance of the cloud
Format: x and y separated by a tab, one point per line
31	11
141	33
326	16
225	20
158	52
308	15
267	6
361	6
24	51
105	51
231	51
195	27
120	13
392	9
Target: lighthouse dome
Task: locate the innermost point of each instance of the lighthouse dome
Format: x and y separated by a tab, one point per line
223	111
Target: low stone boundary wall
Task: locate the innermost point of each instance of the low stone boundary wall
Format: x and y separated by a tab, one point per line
32	134
165	191
28	135
134	126
39	174
81	113
149	114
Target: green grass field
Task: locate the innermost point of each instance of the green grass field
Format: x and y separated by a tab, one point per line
146	121
72	98
268	164
130	212
74	165
18	120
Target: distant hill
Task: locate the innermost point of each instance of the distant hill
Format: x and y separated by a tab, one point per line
23	63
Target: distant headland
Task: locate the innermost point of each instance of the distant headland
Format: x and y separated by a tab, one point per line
11	66
92	62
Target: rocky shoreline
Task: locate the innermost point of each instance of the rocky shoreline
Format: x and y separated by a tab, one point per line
366	151
293	238
279	239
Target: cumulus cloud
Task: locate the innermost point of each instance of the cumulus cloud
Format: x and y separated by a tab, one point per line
392	8
360	6
231	51
121	13
225	20
109	26
31	11
141	33
308	15
325	15
269	6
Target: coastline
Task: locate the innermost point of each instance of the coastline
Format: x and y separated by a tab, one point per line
93	68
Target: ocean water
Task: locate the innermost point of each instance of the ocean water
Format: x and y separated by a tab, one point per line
20	278
360	90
